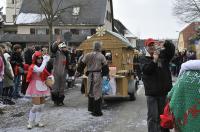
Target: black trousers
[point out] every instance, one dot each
(95, 106)
(57, 99)
(7, 92)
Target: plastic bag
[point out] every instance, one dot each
(167, 118)
(140, 90)
(113, 85)
(106, 86)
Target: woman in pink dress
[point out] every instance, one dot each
(37, 89)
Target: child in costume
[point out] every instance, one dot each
(37, 89)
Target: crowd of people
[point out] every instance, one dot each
(23, 73)
(179, 58)
(14, 65)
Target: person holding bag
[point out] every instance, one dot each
(37, 89)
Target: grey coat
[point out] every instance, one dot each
(59, 70)
(8, 73)
(94, 62)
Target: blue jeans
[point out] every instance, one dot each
(155, 107)
(1, 90)
(17, 86)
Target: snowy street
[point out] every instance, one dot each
(119, 115)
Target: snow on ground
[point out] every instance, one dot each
(71, 117)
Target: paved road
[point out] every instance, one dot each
(130, 116)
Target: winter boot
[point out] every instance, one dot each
(60, 100)
(90, 104)
(82, 88)
(30, 124)
(97, 108)
(55, 98)
(38, 120)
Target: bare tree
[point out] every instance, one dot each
(187, 10)
(52, 10)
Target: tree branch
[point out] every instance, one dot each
(195, 4)
(187, 10)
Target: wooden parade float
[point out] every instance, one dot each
(119, 54)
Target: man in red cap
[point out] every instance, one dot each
(157, 80)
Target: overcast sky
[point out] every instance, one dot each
(147, 18)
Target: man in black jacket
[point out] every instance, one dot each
(157, 80)
(16, 61)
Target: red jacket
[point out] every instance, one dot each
(43, 74)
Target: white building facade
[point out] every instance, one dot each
(12, 10)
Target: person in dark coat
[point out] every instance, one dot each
(60, 67)
(157, 80)
(28, 61)
(28, 55)
(17, 65)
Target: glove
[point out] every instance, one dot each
(46, 58)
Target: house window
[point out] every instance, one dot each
(32, 31)
(14, 17)
(41, 31)
(85, 32)
(76, 11)
(74, 31)
(93, 31)
(13, 1)
(108, 16)
(57, 31)
(197, 28)
(65, 30)
(4, 17)
(47, 31)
